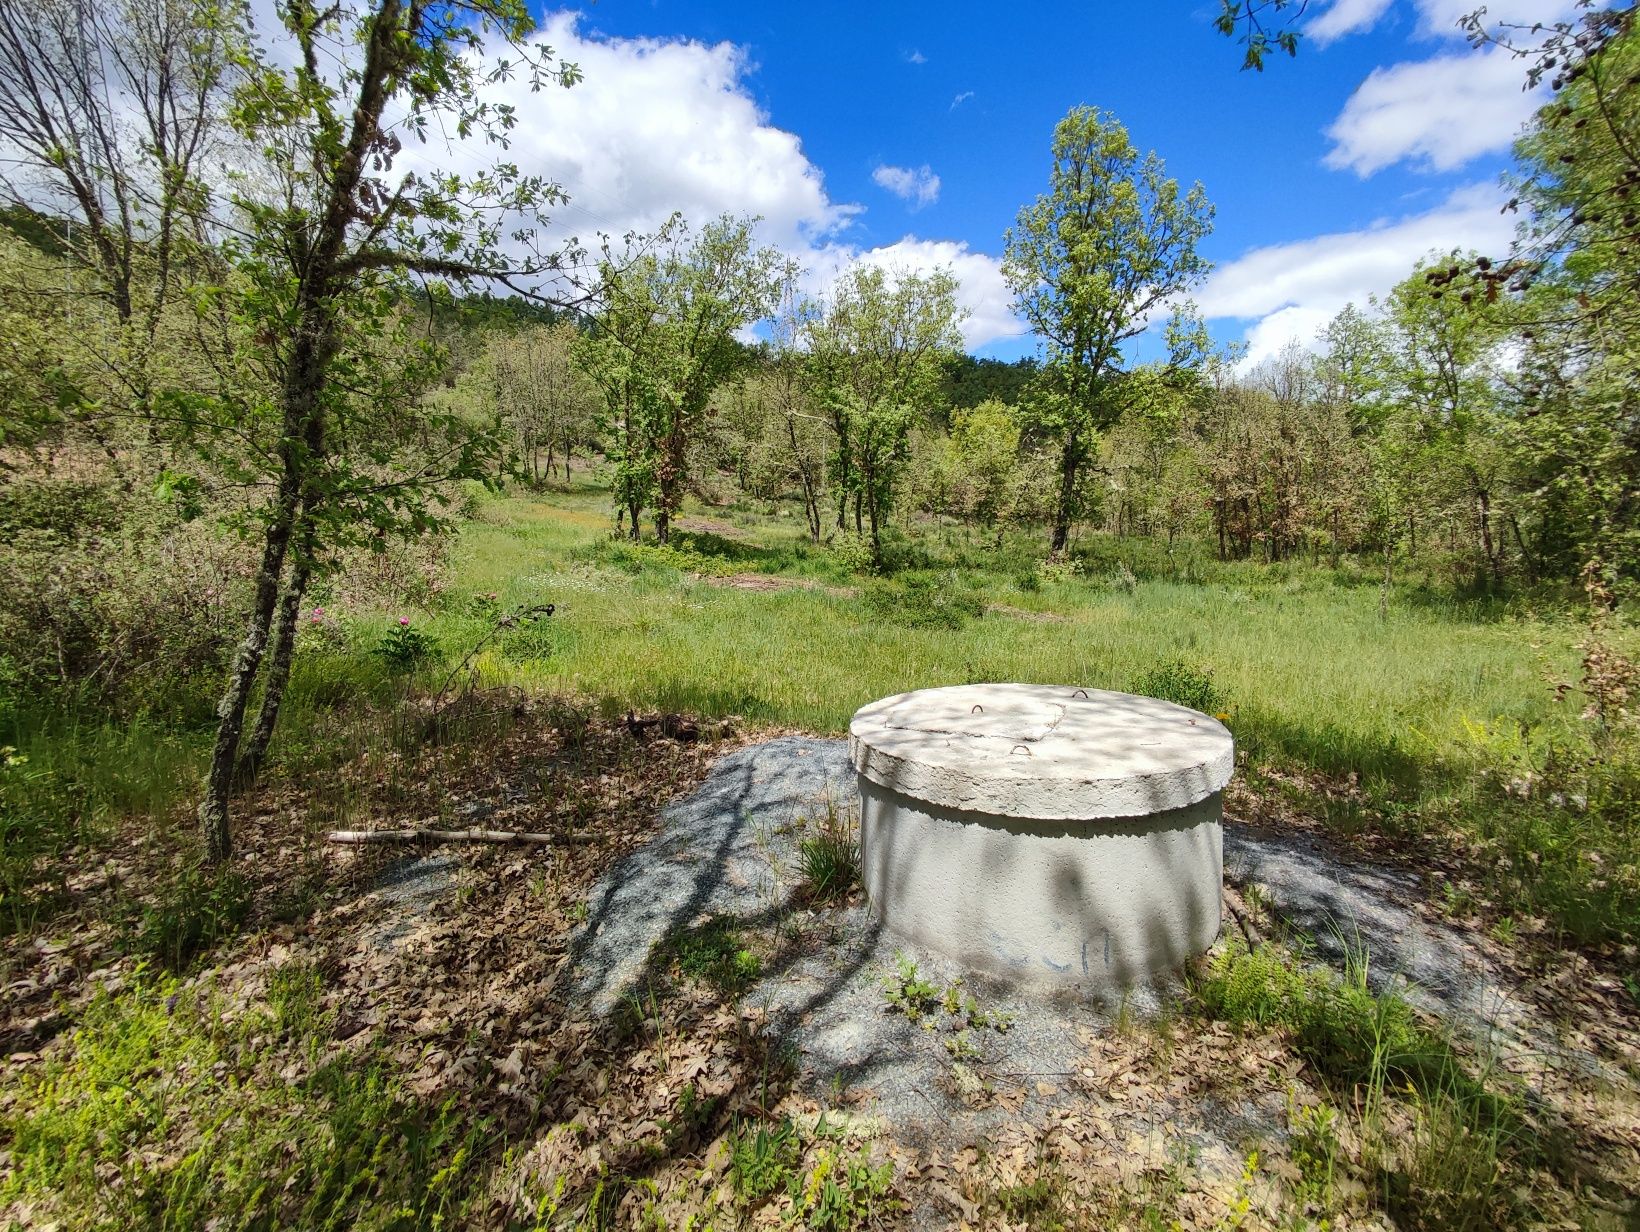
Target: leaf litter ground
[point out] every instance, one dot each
(542, 992)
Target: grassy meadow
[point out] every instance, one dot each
(1312, 666)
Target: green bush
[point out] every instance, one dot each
(404, 647)
(852, 551)
(1183, 684)
(142, 615)
(922, 601)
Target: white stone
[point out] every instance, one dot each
(1044, 834)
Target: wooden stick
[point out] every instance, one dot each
(423, 835)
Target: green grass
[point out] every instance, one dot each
(170, 1113)
(1316, 674)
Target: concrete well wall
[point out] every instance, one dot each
(1090, 905)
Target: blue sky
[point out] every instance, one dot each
(911, 135)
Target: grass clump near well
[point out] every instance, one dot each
(824, 1188)
(829, 858)
(1439, 1143)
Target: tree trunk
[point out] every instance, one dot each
(284, 645)
(1483, 504)
(1525, 555)
(1069, 461)
(230, 711)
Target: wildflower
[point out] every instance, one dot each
(404, 621)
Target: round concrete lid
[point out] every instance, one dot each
(1048, 752)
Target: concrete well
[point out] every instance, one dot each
(1043, 834)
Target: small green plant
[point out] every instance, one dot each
(909, 993)
(829, 858)
(200, 908)
(1313, 1143)
(714, 952)
(1184, 684)
(842, 1192)
(763, 1161)
(404, 646)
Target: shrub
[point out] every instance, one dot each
(141, 614)
(1183, 684)
(922, 601)
(404, 646)
(853, 552)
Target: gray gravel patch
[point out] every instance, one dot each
(729, 847)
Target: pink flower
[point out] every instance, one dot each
(318, 612)
(403, 621)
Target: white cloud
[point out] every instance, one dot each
(981, 289)
(658, 125)
(1343, 17)
(915, 57)
(1437, 18)
(960, 99)
(918, 186)
(1441, 17)
(1289, 291)
(1439, 113)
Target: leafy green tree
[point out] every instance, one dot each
(1576, 409)
(318, 408)
(667, 333)
(1111, 241)
(1441, 379)
(985, 442)
(877, 351)
(540, 392)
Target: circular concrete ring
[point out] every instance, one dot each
(1043, 834)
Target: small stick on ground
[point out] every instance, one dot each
(423, 835)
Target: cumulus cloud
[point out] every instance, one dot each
(664, 125)
(658, 125)
(1438, 18)
(917, 186)
(1438, 113)
(1343, 17)
(1441, 17)
(1289, 291)
(981, 290)
(915, 57)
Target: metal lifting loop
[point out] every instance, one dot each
(978, 709)
(1016, 749)
(1083, 692)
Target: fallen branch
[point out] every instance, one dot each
(424, 835)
